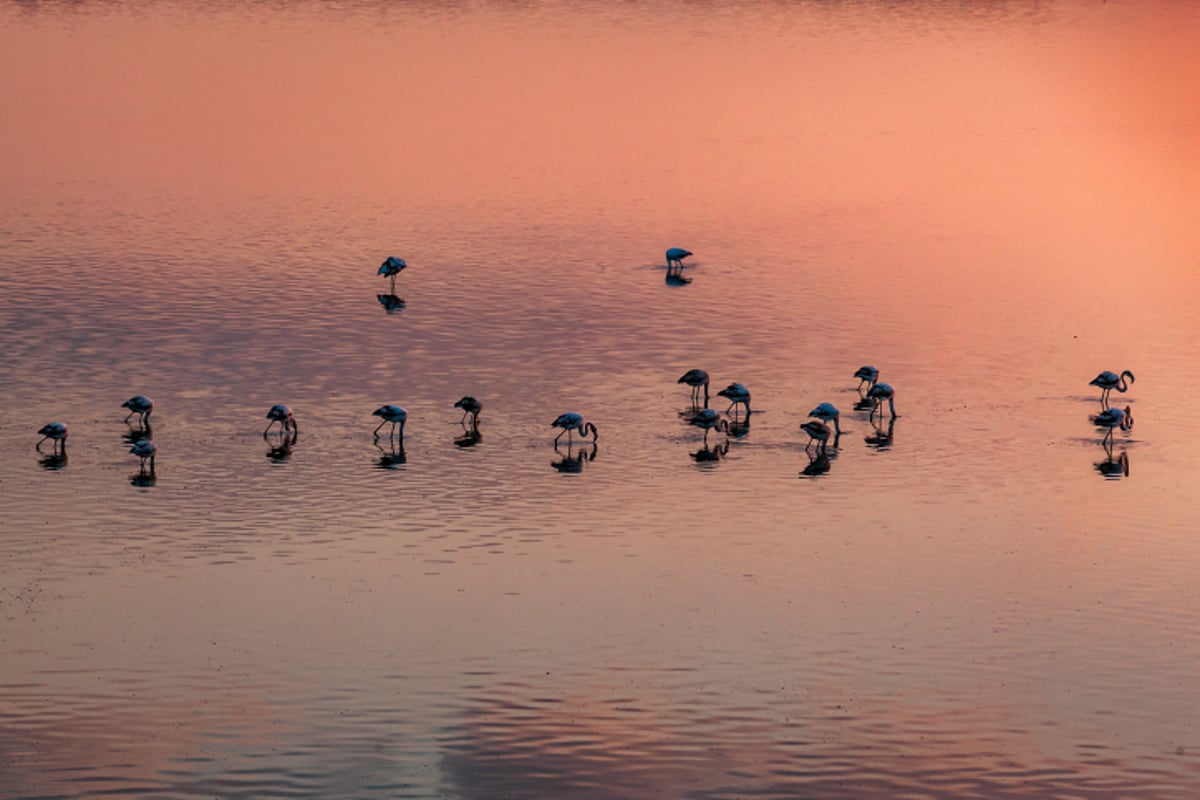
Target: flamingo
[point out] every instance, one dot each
(391, 267)
(143, 449)
(140, 405)
(1113, 418)
(827, 412)
(470, 406)
(696, 378)
(675, 257)
(282, 414)
(571, 421)
(393, 414)
(736, 393)
(880, 392)
(817, 432)
(709, 419)
(56, 431)
(868, 375)
(1108, 381)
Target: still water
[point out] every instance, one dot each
(991, 202)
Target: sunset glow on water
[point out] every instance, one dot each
(982, 598)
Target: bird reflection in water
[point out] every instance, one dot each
(708, 457)
(134, 435)
(571, 462)
(470, 436)
(819, 462)
(675, 257)
(677, 278)
(1112, 468)
(55, 461)
(391, 457)
(281, 444)
(880, 437)
(390, 302)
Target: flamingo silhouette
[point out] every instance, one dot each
(570, 422)
(390, 268)
(56, 432)
(697, 379)
(283, 415)
(880, 392)
(140, 405)
(393, 414)
(1107, 381)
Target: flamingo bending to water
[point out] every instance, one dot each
(282, 414)
(140, 405)
(697, 379)
(56, 432)
(570, 422)
(880, 392)
(736, 393)
(470, 406)
(393, 414)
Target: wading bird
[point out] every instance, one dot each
(709, 419)
(867, 375)
(390, 268)
(1112, 419)
(675, 257)
(736, 393)
(880, 392)
(55, 431)
(828, 412)
(284, 416)
(140, 405)
(697, 379)
(1108, 381)
(817, 432)
(144, 449)
(570, 422)
(393, 414)
(470, 406)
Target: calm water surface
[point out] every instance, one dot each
(991, 202)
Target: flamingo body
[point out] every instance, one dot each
(570, 422)
(880, 392)
(675, 257)
(282, 414)
(145, 449)
(393, 414)
(1114, 418)
(866, 375)
(390, 268)
(736, 393)
(697, 379)
(1107, 381)
(817, 432)
(827, 412)
(470, 406)
(709, 419)
(140, 405)
(54, 431)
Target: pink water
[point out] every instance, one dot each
(990, 202)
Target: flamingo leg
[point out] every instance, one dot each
(377, 427)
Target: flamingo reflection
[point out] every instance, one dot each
(393, 457)
(571, 462)
(470, 437)
(710, 456)
(390, 302)
(1112, 468)
(880, 439)
(280, 444)
(1107, 381)
(819, 463)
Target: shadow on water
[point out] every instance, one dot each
(708, 457)
(55, 461)
(391, 457)
(280, 444)
(470, 436)
(390, 302)
(571, 462)
(1113, 468)
(145, 477)
(819, 463)
(880, 438)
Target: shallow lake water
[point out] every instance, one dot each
(991, 202)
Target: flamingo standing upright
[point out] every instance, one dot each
(391, 267)
(140, 405)
(56, 432)
(570, 422)
(283, 415)
(697, 379)
(393, 414)
(1107, 381)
